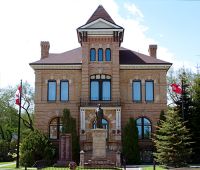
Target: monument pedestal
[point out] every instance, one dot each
(65, 149)
(99, 143)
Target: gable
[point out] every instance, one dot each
(100, 24)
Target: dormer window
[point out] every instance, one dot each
(92, 54)
(100, 54)
(108, 54)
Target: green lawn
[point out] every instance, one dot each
(151, 168)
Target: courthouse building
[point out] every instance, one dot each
(126, 83)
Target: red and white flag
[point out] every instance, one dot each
(17, 95)
(176, 88)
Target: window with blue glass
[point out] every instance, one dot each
(149, 90)
(136, 91)
(100, 87)
(64, 90)
(144, 128)
(92, 54)
(100, 54)
(94, 85)
(108, 54)
(51, 90)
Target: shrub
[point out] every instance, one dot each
(7, 150)
(34, 147)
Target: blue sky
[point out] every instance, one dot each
(174, 24)
(171, 24)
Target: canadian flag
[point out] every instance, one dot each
(176, 88)
(17, 95)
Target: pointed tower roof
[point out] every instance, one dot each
(100, 12)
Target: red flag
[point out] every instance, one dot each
(176, 88)
(17, 95)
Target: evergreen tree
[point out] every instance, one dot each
(161, 118)
(69, 126)
(172, 142)
(130, 147)
(194, 121)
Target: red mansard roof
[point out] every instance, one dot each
(74, 57)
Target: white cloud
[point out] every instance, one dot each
(24, 23)
(135, 11)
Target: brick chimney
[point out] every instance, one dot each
(153, 50)
(45, 45)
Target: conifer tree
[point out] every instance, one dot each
(172, 142)
(69, 126)
(130, 147)
(194, 121)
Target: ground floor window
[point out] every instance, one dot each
(144, 128)
(55, 128)
(146, 156)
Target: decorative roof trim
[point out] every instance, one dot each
(145, 67)
(100, 29)
(55, 67)
(98, 20)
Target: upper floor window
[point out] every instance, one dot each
(136, 90)
(51, 90)
(100, 54)
(144, 128)
(149, 90)
(55, 128)
(100, 87)
(64, 90)
(92, 54)
(108, 54)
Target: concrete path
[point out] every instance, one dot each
(12, 163)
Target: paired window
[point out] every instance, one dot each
(100, 87)
(64, 90)
(144, 128)
(137, 90)
(52, 88)
(55, 128)
(100, 54)
(149, 90)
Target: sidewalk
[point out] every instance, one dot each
(7, 164)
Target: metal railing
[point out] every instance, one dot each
(85, 102)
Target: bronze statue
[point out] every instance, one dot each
(99, 116)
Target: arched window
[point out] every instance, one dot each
(55, 128)
(108, 54)
(144, 128)
(92, 54)
(100, 54)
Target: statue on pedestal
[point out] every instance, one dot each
(99, 116)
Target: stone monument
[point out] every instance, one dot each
(99, 136)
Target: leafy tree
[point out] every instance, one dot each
(130, 147)
(69, 126)
(172, 142)
(35, 146)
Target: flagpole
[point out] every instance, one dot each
(182, 104)
(18, 140)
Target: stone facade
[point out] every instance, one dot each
(77, 68)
